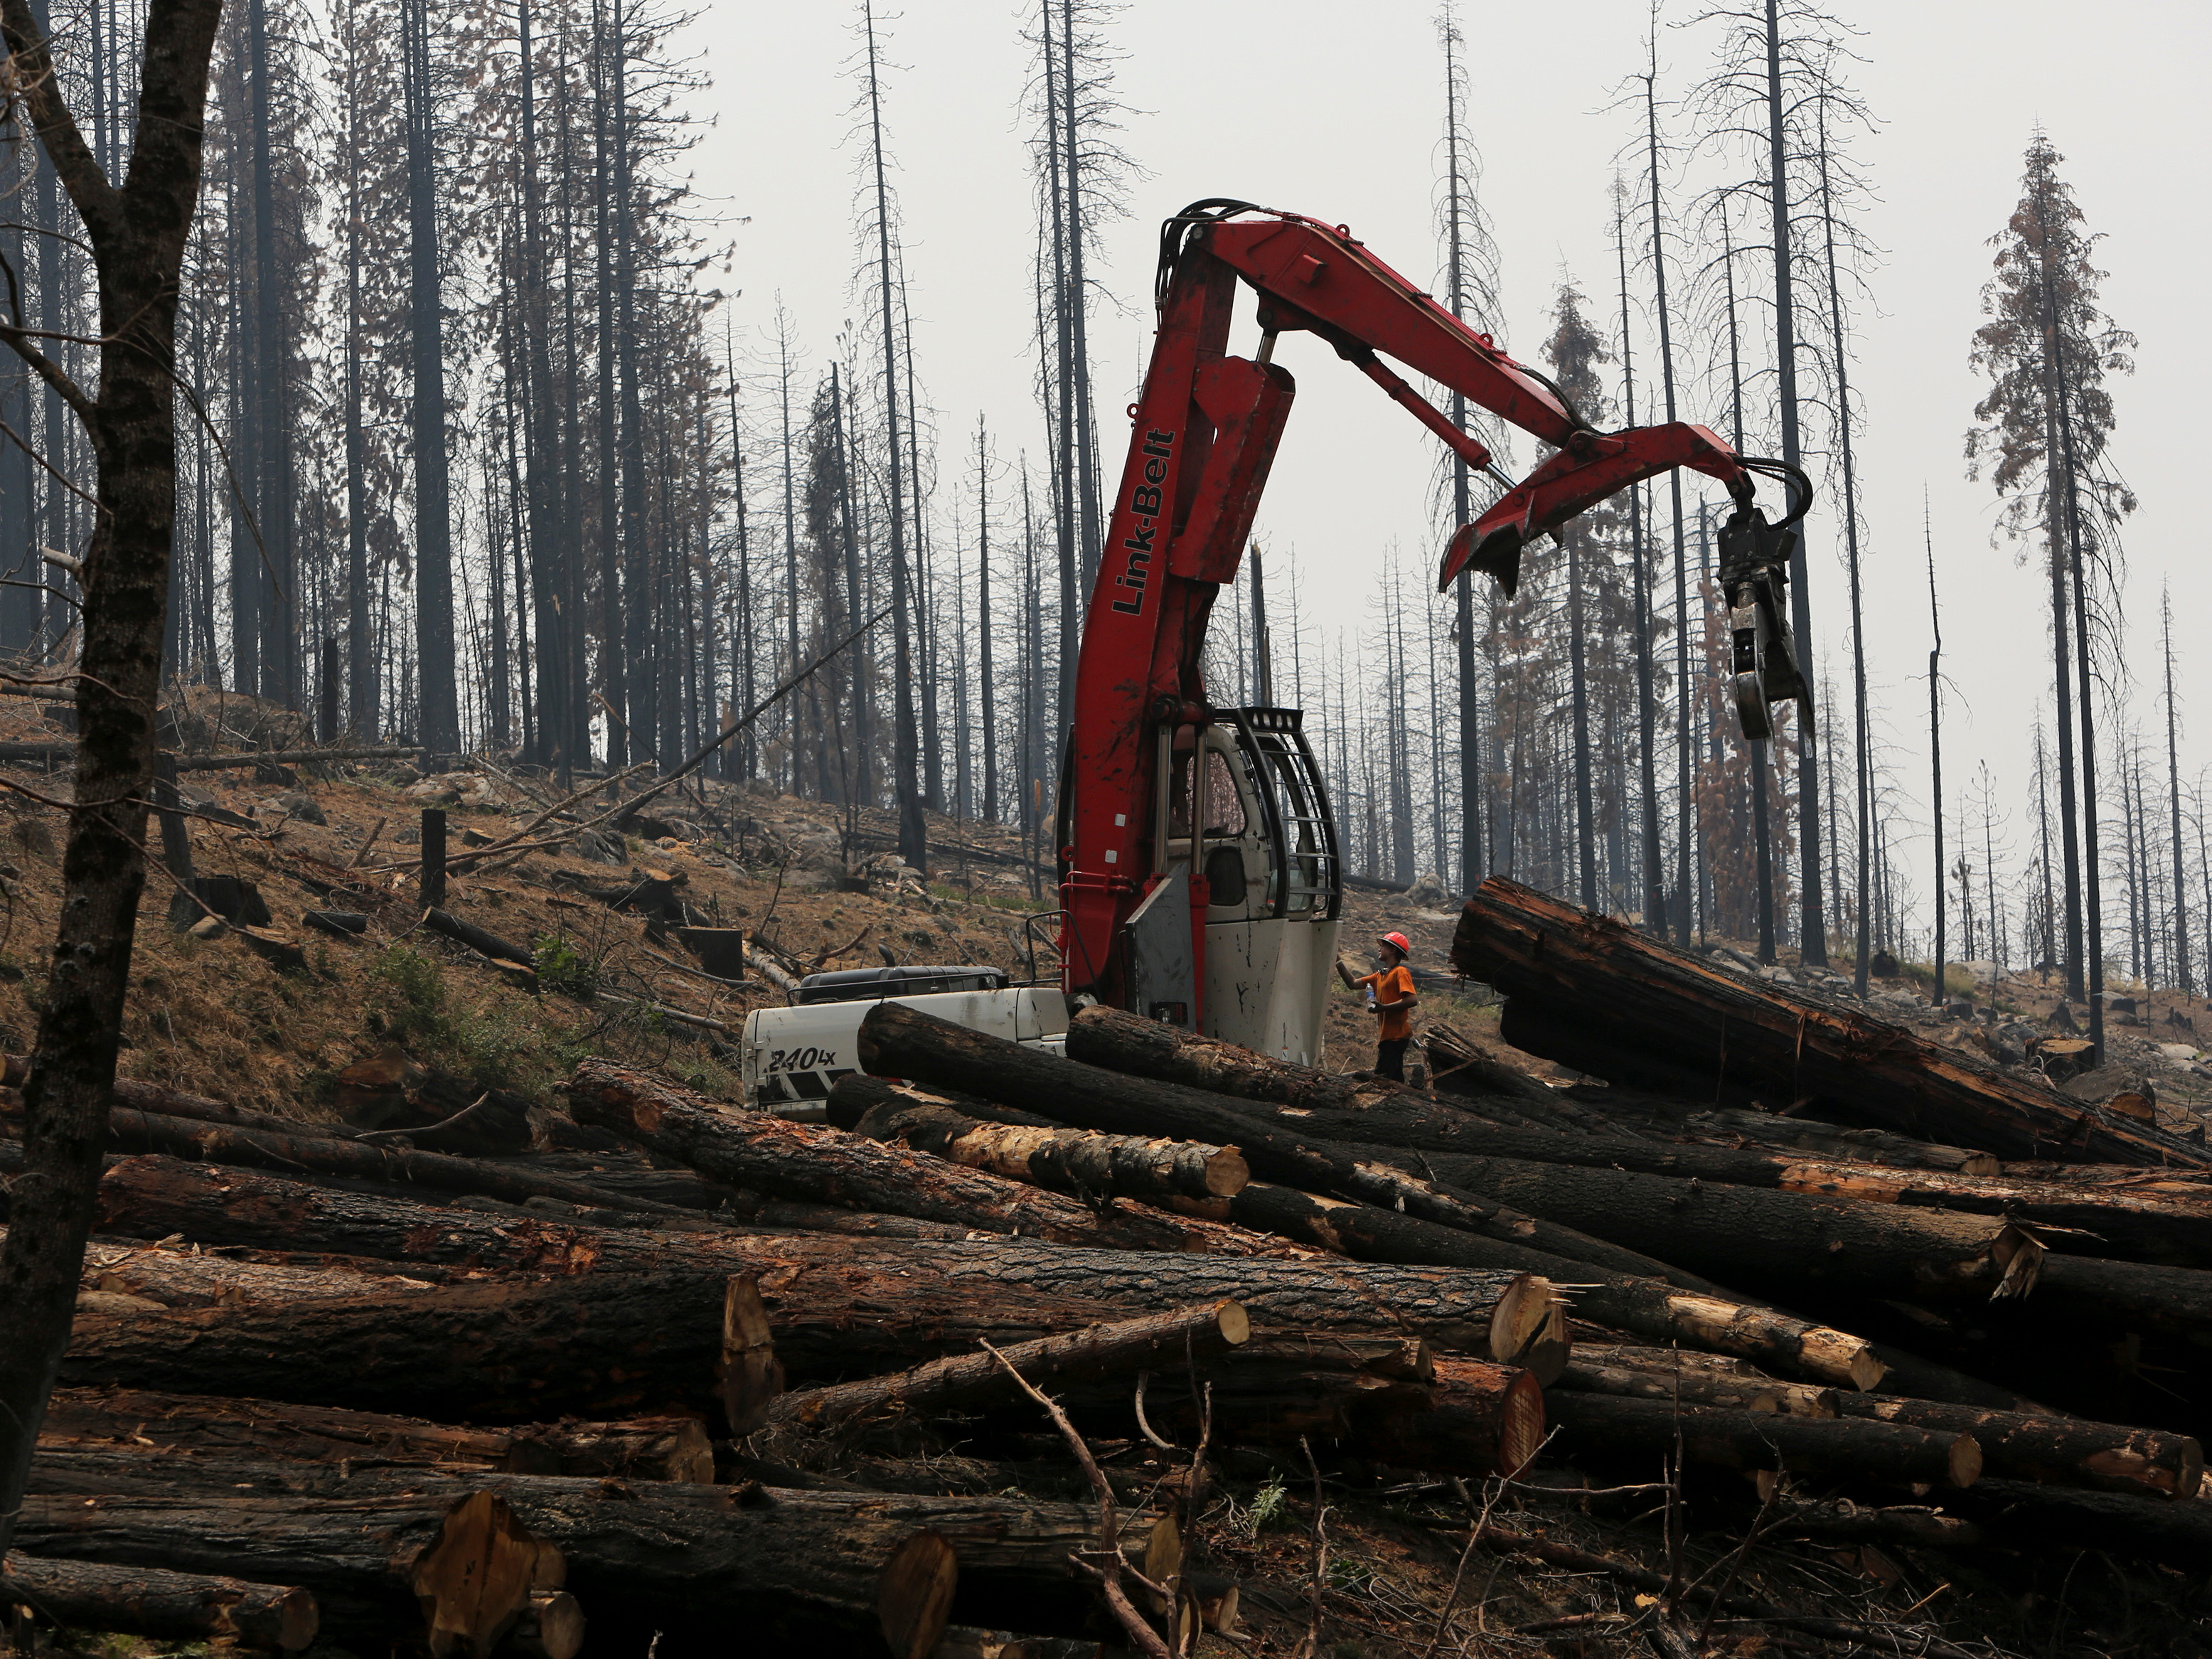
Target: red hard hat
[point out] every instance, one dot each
(1404, 946)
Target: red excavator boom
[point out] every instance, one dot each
(1205, 433)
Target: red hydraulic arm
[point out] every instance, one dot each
(1205, 432)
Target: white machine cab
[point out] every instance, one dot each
(793, 1055)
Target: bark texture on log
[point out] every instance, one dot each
(788, 1567)
(1771, 1131)
(1120, 1040)
(2031, 1517)
(132, 1132)
(627, 1172)
(1368, 1232)
(1275, 1388)
(849, 1307)
(2129, 1294)
(1771, 1238)
(1844, 1447)
(856, 1094)
(1080, 1161)
(2172, 1227)
(820, 1164)
(2062, 1451)
(1151, 1341)
(1627, 990)
(154, 1602)
(1691, 1387)
(901, 1042)
(1487, 1419)
(598, 1346)
(646, 1449)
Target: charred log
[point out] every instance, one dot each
(1607, 984)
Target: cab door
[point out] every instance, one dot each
(1268, 848)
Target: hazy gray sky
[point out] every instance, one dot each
(1334, 111)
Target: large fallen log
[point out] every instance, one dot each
(1659, 1312)
(2062, 1451)
(1486, 1419)
(822, 1164)
(2173, 1225)
(1183, 1335)
(1767, 1130)
(797, 1571)
(849, 1307)
(1774, 1240)
(595, 1346)
(2034, 1518)
(2096, 1294)
(1129, 1043)
(897, 1041)
(153, 1602)
(1601, 982)
(132, 1132)
(1588, 1375)
(1650, 1430)
(650, 1448)
(1080, 1161)
(1388, 1399)
(1406, 1129)
(626, 1171)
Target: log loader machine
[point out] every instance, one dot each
(1200, 875)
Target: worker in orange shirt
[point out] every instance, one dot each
(1390, 993)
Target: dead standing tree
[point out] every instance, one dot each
(136, 233)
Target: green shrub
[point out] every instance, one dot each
(564, 968)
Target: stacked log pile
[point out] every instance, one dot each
(477, 1395)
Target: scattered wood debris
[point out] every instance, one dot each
(1161, 1347)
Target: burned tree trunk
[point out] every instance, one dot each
(153, 1602)
(1065, 1160)
(131, 1132)
(644, 1448)
(138, 234)
(1122, 1041)
(1487, 1419)
(822, 1164)
(1609, 986)
(2173, 1228)
(596, 1345)
(2062, 1451)
(901, 1042)
(1646, 1430)
(1151, 1341)
(846, 1306)
(1695, 1387)
(1771, 1238)
(799, 1569)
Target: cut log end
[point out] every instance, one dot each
(1837, 1356)
(1234, 1324)
(1966, 1460)
(1529, 1328)
(553, 1628)
(913, 1594)
(1227, 1174)
(297, 1619)
(752, 1376)
(475, 1581)
(1521, 1436)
